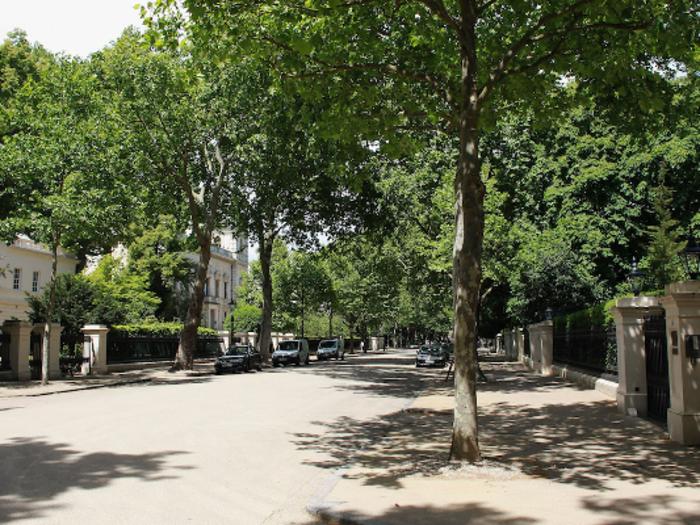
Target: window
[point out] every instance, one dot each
(216, 288)
(35, 282)
(225, 290)
(17, 279)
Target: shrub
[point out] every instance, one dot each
(157, 330)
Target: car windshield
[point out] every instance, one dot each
(328, 344)
(433, 350)
(288, 345)
(237, 350)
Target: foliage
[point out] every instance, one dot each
(158, 254)
(156, 330)
(662, 261)
(20, 62)
(599, 315)
(126, 292)
(246, 318)
(75, 304)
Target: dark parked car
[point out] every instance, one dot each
(238, 357)
(330, 348)
(431, 355)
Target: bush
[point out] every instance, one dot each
(157, 330)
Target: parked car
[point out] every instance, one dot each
(292, 351)
(238, 357)
(330, 348)
(431, 355)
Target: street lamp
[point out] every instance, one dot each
(636, 278)
(548, 314)
(691, 258)
(231, 331)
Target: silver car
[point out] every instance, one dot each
(330, 348)
(293, 351)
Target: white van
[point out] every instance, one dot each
(291, 351)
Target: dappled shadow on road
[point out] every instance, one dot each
(549, 427)
(451, 515)
(35, 472)
(396, 445)
(590, 445)
(385, 375)
(661, 508)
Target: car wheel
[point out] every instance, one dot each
(258, 367)
(307, 359)
(298, 360)
(245, 367)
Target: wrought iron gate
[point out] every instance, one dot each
(658, 384)
(35, 355)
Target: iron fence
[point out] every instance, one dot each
(144, 349)
(5, 352)
(593, 349)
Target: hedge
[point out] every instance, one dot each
(157, 330)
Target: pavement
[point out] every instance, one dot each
(553, 453)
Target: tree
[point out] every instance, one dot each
(665, 244)
(57, 169)
(159, 255)
(191, 125)
(460, 64)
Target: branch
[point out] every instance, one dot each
(531, 36)
(329, 69)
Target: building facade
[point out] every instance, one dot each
(27, 268)
(228, 263)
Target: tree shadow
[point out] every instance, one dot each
(451, 515)
(547, 426)
(34, 472)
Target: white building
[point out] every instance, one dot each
(27, 269)
(229, 260)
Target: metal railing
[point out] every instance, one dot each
(593, 349)
(146, 349)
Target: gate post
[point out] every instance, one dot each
(20, 333)
(95, 350)
(542, 347)
(682, 304)
(629, 315)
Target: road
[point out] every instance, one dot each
(243, 449)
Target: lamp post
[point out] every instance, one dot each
(231, 331)
(636, 278)
(691, 258)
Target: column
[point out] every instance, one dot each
(95, 350)
(542, 347)
(20, 333)
(682, 305)
(629, 315)
(55, 351)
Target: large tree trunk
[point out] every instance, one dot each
(266, 323)
(184, 360)
(466, 279)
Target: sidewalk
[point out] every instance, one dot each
(157, 374)
(554, 453)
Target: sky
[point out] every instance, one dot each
(74, 27)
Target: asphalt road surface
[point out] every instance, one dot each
(243, 449)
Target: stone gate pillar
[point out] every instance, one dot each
(542, 347)
(95, 350)
(682, 305)
(20, 337)
(629, 315)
